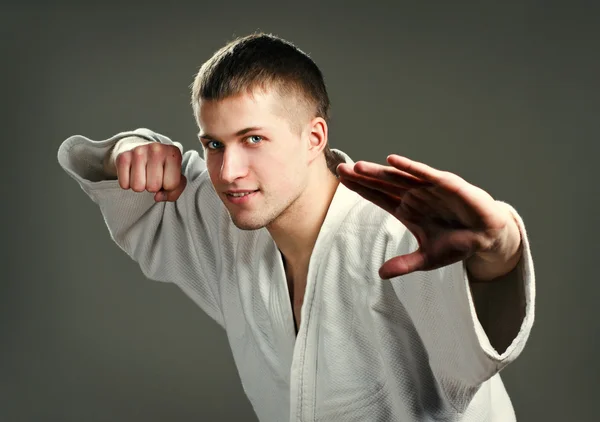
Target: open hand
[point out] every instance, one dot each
(451, 219)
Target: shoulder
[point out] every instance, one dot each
(373, 229)
(360, 217)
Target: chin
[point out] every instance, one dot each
(248, 222)
(247, 225)
(255, 219)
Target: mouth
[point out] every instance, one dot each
(240, 197)
(240, 193)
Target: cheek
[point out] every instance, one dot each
(213, 167)
(287, 176)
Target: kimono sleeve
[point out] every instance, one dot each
(172, 242)
(441, 304)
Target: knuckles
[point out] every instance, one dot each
(155, 148)
(123, 159)
(151, 154)
(136, 186)
(153, 187)
(171, 183)
(139, 151)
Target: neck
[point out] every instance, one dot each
(295, 232)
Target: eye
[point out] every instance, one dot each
(254, 139)
(213, 145)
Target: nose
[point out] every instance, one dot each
(233, 167)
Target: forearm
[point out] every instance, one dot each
(500, 305)
(501, 308)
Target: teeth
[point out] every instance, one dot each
(237, 195)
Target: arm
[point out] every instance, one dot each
(471, 331)
(498, 261)
(497, 285)
(462, 267)
(172, 241)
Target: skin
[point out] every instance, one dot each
(452, 219)
(251, 143)
(248, 143)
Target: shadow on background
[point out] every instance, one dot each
(505, 96)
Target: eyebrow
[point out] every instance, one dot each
(238, 133)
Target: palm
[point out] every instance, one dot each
(450, 218)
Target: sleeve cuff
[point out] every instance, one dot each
(82, 157)
(524, 272)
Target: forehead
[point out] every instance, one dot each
(256, 108)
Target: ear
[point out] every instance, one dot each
(317, 137)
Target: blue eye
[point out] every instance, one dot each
(255, 139)
(211, 145)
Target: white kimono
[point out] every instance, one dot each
(406, 349)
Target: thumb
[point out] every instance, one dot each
(172, 195)
(403, 264)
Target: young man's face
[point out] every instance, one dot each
(256, 158)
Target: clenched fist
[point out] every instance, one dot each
(142, 165)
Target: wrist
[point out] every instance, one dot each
(489, 265)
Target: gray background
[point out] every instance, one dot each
(504, 95)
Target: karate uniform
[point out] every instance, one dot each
(406, 349)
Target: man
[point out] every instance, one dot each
(398, 294)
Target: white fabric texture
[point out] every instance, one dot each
(407, 349)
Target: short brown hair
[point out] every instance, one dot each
(259, 61)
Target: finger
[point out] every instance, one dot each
(419, 205)
(421, 219)
(176, 193)
(419, 170)
(154, 168)
(388, 174)
(172, 171)
(440, 204)
(137, 178)
(412, 217)
(427, 195)
(160, 196)
(383, 200)
(123, 165)
(404, 264)
(375, 184)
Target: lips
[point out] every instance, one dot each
(239, 193)
(240, 197)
